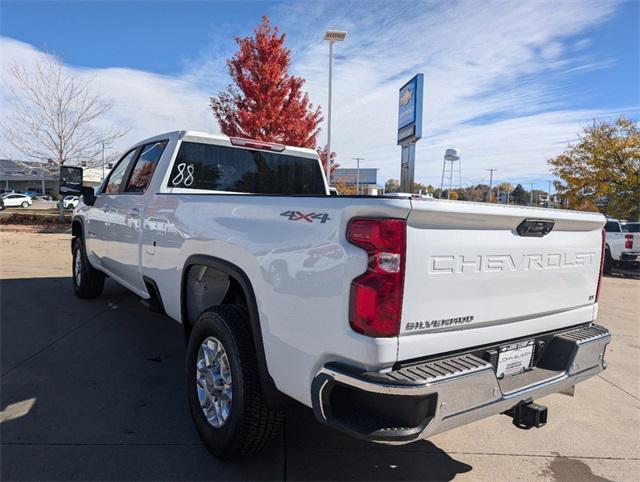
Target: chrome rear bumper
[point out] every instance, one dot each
(423, 399)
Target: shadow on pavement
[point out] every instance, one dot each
(94, 390)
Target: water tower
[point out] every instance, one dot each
(452, 156)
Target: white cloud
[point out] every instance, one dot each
(144, 103)
(497, 80)
(500, 80)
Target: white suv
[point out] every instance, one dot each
(70, 202)
(15, 199)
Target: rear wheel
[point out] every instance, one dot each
(608, 261)
(88, 282)
(223, 385)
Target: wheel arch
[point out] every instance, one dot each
(77, 230)
(274, 398)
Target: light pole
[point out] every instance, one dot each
(491, 183)
(331, 36)
(358, 159)
(531, 194)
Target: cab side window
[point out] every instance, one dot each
(145, 167)
(117, 175)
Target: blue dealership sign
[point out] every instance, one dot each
(410, 110)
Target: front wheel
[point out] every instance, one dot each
(223, 385)
(88, 282)
(25, 204)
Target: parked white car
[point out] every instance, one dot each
(16, 200)
(394, 319)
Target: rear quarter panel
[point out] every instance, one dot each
(300, 271)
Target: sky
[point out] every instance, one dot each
(508, 83)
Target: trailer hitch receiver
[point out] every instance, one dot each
(528, 414)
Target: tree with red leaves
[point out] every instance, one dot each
(323, 158)
(265, 102)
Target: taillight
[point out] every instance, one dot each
(375, 303)
(628, 241)
(601, 264)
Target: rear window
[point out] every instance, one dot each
(612, 227)
(631, 228)
(222, 168)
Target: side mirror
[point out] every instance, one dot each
(70, 180)
(88, 195)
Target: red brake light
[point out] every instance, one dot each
(601, 264)
(628, 241)
(375, 304)
(250, 143)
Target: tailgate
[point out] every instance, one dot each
(467, 266)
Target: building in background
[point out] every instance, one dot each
(37, 177)
(93, 176)
(368, 179)
(41, 177)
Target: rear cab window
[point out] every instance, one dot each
(612, 227)
(236, 170)
(631, 228)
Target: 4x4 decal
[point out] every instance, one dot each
(298, 216)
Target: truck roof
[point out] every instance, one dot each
(222, 140)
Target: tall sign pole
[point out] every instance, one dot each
(409, 128)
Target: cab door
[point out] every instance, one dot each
(98, 232)
(126, 216)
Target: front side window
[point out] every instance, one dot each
(222, 168)
(117, 175)
(145, 166)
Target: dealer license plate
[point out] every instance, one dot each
(514, 358)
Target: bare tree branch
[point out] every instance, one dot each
(53, 116)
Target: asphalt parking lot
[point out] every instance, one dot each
(93, 390)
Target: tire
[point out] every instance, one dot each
(250, 424)
(25, 204)
(88, 282)
(608, 262)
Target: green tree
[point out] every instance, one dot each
(520, 196)
(392, 185)
(419, 187)
(602, 170)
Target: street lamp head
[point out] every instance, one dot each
(335, 35)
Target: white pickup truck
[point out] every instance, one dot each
(394, 319)
(622, 246)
